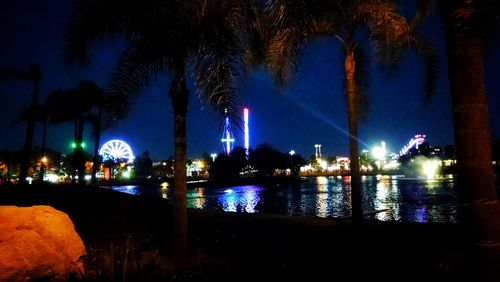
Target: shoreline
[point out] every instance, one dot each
(247, 247)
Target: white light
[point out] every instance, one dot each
(87, 177)
(379, 152)
(52, 178)
(322, 163)
(116, 149)
(247, 134)
(213, 155)
(430, 168)
(292, 152)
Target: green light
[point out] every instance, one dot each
(74, 145)
(126, 174)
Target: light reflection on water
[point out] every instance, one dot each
(386, 198)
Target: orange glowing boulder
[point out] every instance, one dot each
(38, 242)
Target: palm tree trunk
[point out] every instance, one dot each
(44, 140)
(180, 97)
(28, 138)
(476, 185)
(95, 160)
(78, 158)
(352, 116)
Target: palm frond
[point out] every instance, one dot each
(39, 114)
(431, 69)
(131, 75)
(219, 62)
(5, 73)
(257, 36)
(422, 10)
(296, 23)
(61, 105)
(389, 31)
(32, 74)
(96, 20)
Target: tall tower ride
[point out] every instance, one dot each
(247, 134)
(227, 136)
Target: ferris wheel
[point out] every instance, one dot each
(116, 150)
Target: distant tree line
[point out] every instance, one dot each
(264, 161)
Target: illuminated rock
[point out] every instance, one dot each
(38, 242)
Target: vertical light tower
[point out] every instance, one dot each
(247, 134)
(227, 137)
(318, 150)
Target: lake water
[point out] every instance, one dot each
(387, 198)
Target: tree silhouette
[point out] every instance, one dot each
(388, 33)
(73, 105)
(168, 38)
(33, 74)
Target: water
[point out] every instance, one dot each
(386, 198)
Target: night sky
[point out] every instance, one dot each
(308, 111)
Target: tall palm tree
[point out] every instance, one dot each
(467, 25)
(173, 38)
(95, 120)
(39, 114)
(33, 74)
(73, 105)
(388, 32)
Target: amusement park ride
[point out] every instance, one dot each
(228, 136)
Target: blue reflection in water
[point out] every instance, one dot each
(240, 198)
(129, 189)
(386, 198)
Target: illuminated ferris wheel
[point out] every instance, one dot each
(116, 150)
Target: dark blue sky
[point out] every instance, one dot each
(309, 110)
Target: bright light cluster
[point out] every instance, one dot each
(116, 150)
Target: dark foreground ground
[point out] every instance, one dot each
(126, 237)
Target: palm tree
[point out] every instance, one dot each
(167, 37)
(72, 105)
(33, 74)
(467, 23)
(388, 32)
(39, 114)
(95, 120)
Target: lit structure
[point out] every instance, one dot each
(116, 150)
(318, 150)
(247, 134)
(414, 142)
(379, 152)
(213, 155)
(227, 137)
